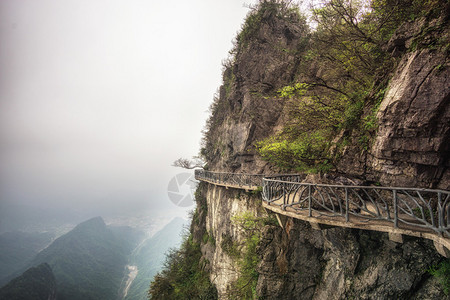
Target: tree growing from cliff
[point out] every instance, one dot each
(195, 162)
(340, 82)
(263, 17)
(184, 274)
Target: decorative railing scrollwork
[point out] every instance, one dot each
(413, 209)
(230, 179)
(416, 208)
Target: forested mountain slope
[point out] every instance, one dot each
(89, 261)
(149, 257)
(37, 283)
(17, 249)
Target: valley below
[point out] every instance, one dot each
(94, 259)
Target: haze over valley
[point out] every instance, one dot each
(97, 99)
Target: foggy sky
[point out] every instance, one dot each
(99, 97)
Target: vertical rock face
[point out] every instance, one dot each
(300, 262)
(222, 206)
(412, 143)
(288, 271)
(265, 63)
(338, 263)
(411, 148)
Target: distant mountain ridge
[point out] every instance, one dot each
(37, 283)
(150, 256)
(88, 262)
(17, 249)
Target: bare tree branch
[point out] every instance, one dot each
(185, 163)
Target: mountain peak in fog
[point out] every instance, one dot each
(96, 222)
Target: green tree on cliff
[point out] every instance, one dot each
(341, 81)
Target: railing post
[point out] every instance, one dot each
(346, 205)
(400, 197)
(394, 193)
(446, 212)
(309, 201)
(263, 192)
(440, 214)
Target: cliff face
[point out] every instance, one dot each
(299, 262)
(338, 263)
(413, 149)
(242, 114)
(409, 148)
(224, 267)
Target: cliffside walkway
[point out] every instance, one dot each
(396, 210)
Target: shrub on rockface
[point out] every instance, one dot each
(303, 152)
(246, 254)
(263, 11)
(184, 274)
(336, 92)
(266, 45)
(442, 273)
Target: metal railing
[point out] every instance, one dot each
(416, 208)
(411, 208)
(230, 179)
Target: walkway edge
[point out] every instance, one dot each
(443, 241)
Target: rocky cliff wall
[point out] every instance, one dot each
(242, 112)
(410, 148)
(222, 205)
(299, 262)
(338, 263)
(412, 145)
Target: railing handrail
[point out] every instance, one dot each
(360, 186)
(273, 177)
(417, 209)
(249, 174)
(228, 173)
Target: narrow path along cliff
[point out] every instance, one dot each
(410, 211)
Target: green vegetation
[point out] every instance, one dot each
(150, 257)
(394, 12)
(305, 152)
(183, 276)
(341, 81)
(230, 247)
(88, 262)
(208, 239)
(37, 283)
(18, 248)
(264, 10)
(246, 253)
(257, 192)
(442, 273)
(228, 80)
